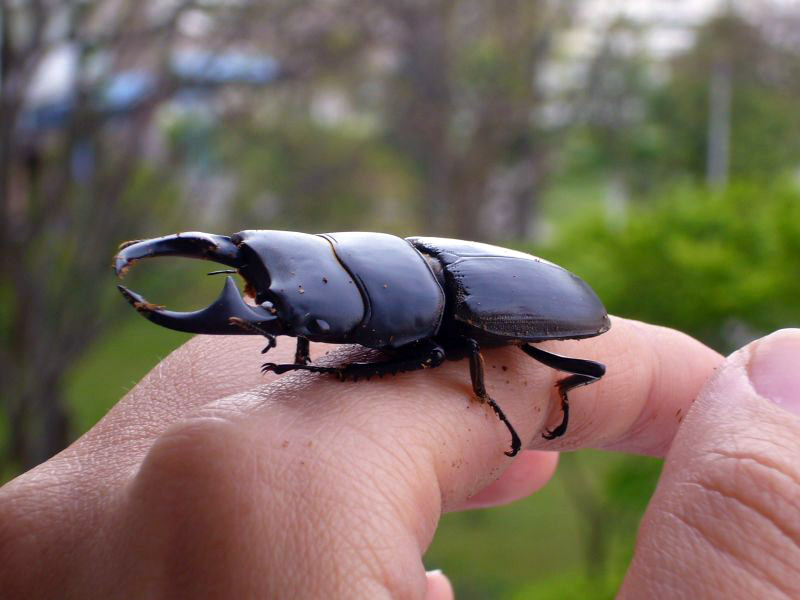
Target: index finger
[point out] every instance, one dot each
(653, 375)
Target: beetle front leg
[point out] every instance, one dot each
(301, 354)
(479, 387)
(271, 341)
(583, 372)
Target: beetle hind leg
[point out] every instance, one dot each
(479, 387)
(281, 369)
(583, 372)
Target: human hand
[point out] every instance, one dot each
(209, 480)
(725, 519)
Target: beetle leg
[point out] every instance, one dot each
(281, 369)
(583, 372)
(424, 357)
(301, 356)
(252, 327)
(479, 387)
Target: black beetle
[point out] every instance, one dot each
(421, 299)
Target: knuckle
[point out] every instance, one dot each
(191, 501)
(198, 456)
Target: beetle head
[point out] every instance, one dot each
(299, 277)
(228, 314)
(299, 285)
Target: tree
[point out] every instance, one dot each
(611, 109)
(454, 89)
(81, 86)
(465, 104)
(723, 109)
(729, 110)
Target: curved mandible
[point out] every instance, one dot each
(228, 314)
(190, 244)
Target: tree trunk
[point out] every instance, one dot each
(39, 424)
(719, 124)
(529, 184)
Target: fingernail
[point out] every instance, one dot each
(434, 572)
(774, 369)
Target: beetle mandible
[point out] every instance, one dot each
(421, 299)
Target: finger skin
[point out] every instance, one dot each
(531, 470)
(205, 480)
(725, 519)
(652, 376)
(439, 587)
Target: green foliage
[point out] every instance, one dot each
(648, 131)
(539, 548)
(765, 128)
(765, 136)
(568, 584)
(629, 484)
(709, 263)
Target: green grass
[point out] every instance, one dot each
(537, 546)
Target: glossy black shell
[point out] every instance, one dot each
(376, 290)
(403, 300)
(499, 296)
(371, 289)
(382, 291)
(430, 298)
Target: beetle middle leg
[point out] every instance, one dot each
(583, 372)
(479, 387)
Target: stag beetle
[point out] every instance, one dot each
(421, 299)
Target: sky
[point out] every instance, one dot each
(670, 21)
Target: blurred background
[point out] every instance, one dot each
(651, 147)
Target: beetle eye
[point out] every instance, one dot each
(268, 306)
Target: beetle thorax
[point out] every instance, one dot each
(298, 277)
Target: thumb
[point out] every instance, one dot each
(725, 519)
